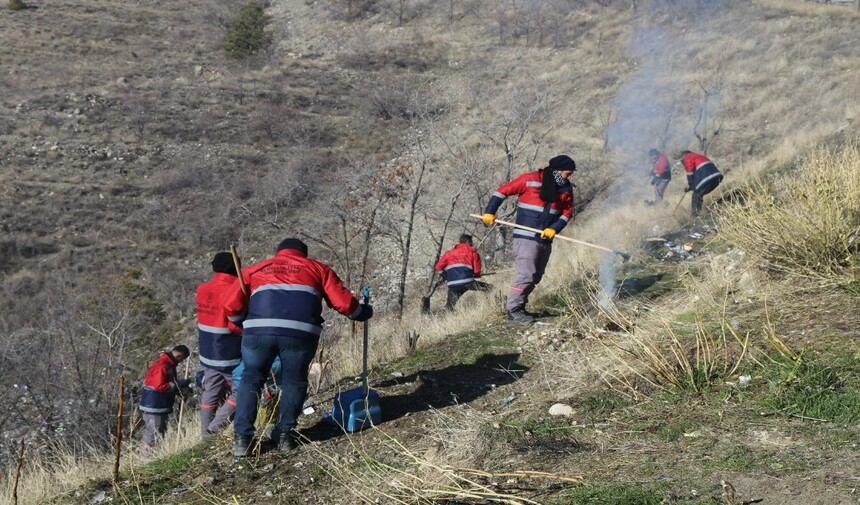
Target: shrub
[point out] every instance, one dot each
(807, 225)
(16, 5)
(247, 33)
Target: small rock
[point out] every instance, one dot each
(99, 498)
(560, 409)
(269, 493)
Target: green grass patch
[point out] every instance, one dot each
(815, 387)
(160, 477)
(626, 494)
(597, 408)
(538, 429)
(466, 348)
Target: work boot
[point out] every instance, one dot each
(242, 446)
(520, 316)
(287, 442)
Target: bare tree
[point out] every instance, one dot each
(709, 123)
(525, 115)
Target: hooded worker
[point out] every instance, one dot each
(545, 202)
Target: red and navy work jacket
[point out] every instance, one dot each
(660, 171)
(460, 265)
(220, 338)
(287, 292)
(702, 174)
(532, 211)
(159, 387)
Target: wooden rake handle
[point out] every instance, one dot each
(238, 264)
(575, 241)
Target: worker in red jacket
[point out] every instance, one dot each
(159, 393)
(220, 344)
(660, 174)
(544, 202)
(284, 318)
(702, 177)
(460, 267)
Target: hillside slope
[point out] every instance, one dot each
(133, 142)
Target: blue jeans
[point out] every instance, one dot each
(258, 353)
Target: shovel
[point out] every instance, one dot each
(624, 256)
(358, 408)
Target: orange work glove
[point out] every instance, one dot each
(489, 219)
(548, 234)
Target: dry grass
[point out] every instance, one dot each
(805, 226)
(66, 470)
(405, 477)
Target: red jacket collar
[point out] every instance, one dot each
(290, 253)
(225, 278)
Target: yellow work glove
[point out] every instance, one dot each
(548, 234)
(489, 219)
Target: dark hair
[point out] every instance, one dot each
(465, 238)
(654, 152)
(181, 349)
(685, 152)
(293, 243)
(222, 262)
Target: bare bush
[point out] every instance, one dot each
(807, 226)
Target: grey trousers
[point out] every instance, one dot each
(529, 266)
(215, 412)
(659, 189)
(155, 426)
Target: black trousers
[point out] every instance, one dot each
(699, 194)
(455, 292)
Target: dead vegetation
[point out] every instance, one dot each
(138, 143)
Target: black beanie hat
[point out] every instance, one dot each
(223, 263)
(562, 162)
(293, 243)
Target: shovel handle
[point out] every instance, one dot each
(575, 241)
(365, 293)
(238, 264)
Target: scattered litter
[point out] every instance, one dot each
(507, 401)
(269, 493)
(693, 434)
(308, 411)
(99, 498)
(744, 380)
(688, 246)
(397, 375)
(696, 235)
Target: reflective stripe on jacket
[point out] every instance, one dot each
(220, 340)
(460, 265)
(701, 172)
(159, 388)
(532, 211)
(287, 292)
